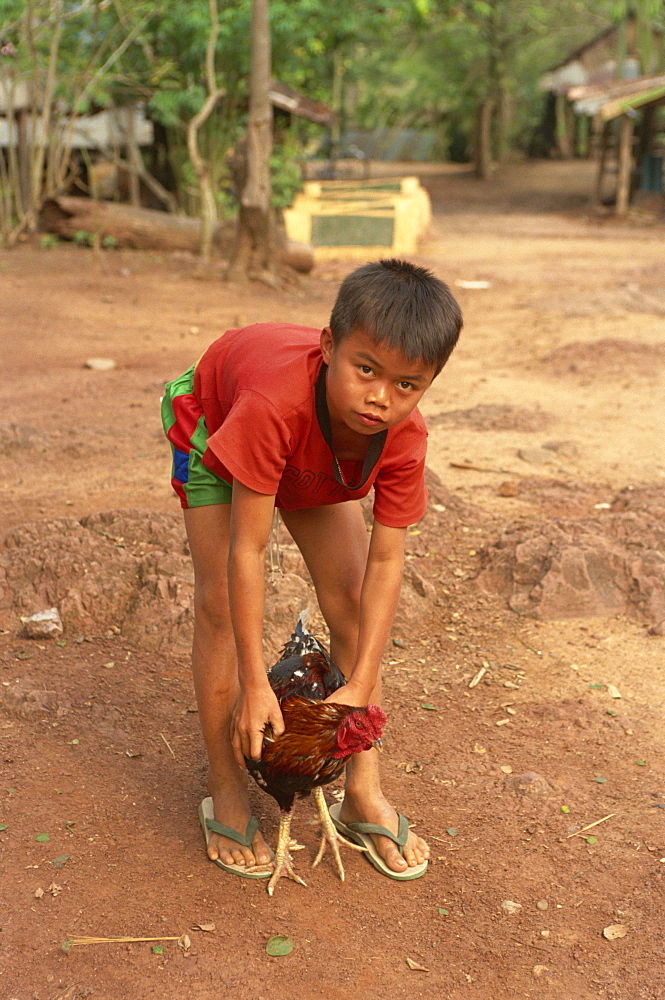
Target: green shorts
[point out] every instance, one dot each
(184, 425)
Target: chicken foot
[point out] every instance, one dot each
(329, 835)
(282, 863)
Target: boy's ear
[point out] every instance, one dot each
(326, 344)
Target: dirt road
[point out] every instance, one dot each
(524, 689)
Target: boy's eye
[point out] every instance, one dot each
(365, 369)
(406, 385)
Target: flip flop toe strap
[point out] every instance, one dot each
(381, 831)
(226, 831)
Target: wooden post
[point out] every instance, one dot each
(562, 127)
(625, 164)
(133, 155)
(602, 161)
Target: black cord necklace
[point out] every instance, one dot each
(376, 443)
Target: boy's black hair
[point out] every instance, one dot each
(402, 305)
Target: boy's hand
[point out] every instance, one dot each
(349, 694)
(254, 710)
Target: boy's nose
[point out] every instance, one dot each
(379, 395)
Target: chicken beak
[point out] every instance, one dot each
(378, 745)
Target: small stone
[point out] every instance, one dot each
(615, 931)
(101, 364)
(42, 625)
(542, 904)
(508, 489)
(510, 907)
(535, 456)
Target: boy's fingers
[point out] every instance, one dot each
(277, 723)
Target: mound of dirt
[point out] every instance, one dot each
(117, 570)
(609, 357)
(128, 572)
(595, 566)
(495, 417)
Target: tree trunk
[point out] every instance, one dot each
(202, 167)
(254, 250)
(483, 153)
(147, 229)
(137, 228)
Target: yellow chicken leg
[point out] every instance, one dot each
(282, 861)
(329, 834)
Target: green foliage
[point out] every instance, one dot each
(48, 241)
(285, 173)
(389, 63)
(83, 239)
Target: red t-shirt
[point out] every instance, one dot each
(256, 386)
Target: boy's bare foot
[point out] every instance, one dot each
(380, 812)
(231, 806)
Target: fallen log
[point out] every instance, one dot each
(147, 229)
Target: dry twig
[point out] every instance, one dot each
(118, 940)
(590, 826)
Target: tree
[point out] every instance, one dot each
(65, 57)
(201, 167)
(253, 254)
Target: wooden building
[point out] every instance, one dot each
(608, 96)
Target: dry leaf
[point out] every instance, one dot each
(184, 942)
(208, 928)
(39, 893)
(414, 965)
(613, 691)
(615, 931)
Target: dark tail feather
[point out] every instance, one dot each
(302, 641)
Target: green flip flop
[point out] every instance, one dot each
(359, 833)
(210, 825)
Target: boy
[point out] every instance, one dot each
(308, 421)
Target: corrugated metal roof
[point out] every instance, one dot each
(617, 98)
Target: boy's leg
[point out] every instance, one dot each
(215, 673)
(333, 541)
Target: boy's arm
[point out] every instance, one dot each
(378, 600)
(251, 519)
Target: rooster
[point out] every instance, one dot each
(317, 741)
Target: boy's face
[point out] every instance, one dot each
(370, 386)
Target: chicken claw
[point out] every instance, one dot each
(282, 864)
(329, 835)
